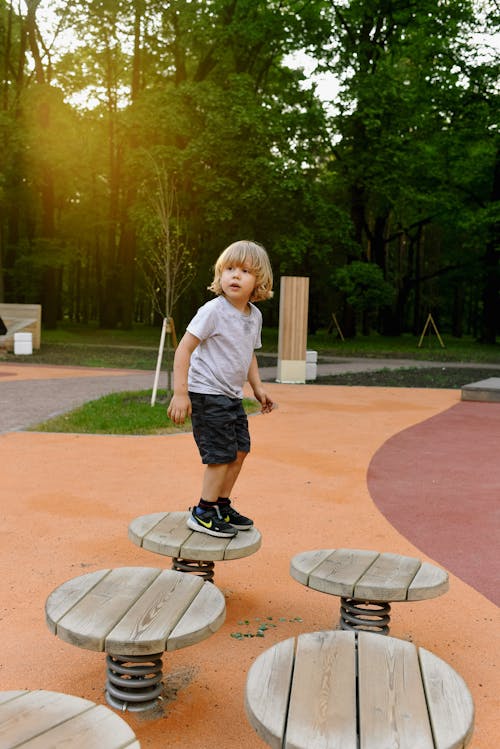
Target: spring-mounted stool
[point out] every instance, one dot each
(168, 534)
(134, 615)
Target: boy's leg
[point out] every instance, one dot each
(232, 473)
(220, 429)
(206, 516)
(218, 482)
(215, 479)
(229, 514)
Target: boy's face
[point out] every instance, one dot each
(238, 283)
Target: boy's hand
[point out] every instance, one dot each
(179, 408)
(266, 404)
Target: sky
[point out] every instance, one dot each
(488, 47)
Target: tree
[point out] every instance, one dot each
(364, 288)
(402, 90)
(169, 268)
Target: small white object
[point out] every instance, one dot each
(23, 343)
(311, 371)
(311, 365)
(291, 371)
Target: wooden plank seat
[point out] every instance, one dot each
(354, 690)
(40, 719)
(167, 533)
(367, 582)
(26, 318)
(134, 614)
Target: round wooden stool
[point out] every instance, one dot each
(367, 582)
(134, 614)
(354, 689)
(50, 719)
(191, 551)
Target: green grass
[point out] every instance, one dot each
(91, 355)
(464, 349)
(89, 346)
(123, 413)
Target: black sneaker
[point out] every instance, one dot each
(210, 521)
(232, 516)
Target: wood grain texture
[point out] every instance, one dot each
(63, 598)
(340, 572)
(322, 711)
(344, 690)
(392, 706)
(368, 575)
(203, 617)
(429, 582)
(387, 579)
(88, 623)
(41, 719)
(21, 317)
(450, 704)
(135, 610)
(267, 692)
(244, 544)
(146, 625)
(139, 527)
(301, 565)
(166, 533)
(294, 301)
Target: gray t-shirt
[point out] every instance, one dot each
(220, 363)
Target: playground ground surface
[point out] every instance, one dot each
(413, 471)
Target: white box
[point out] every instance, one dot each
(23, 343)
(311, 371)
(311, 365)
(291, 371)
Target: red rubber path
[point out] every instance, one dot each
(438, 483)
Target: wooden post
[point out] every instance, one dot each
(336, 323)
(430, 321)
(167, 327)
(292, 341)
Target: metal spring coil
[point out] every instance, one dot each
(196, 566)
(134, 681)
(373, 616)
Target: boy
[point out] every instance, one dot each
(212, 362)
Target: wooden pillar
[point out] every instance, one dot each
(292, 341)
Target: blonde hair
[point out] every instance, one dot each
(256, 258)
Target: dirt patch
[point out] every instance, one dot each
(416, 377)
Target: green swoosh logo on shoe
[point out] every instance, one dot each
(206, 523)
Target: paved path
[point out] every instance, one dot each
(24, 402)
(28, 397)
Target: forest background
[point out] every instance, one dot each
(138, 138)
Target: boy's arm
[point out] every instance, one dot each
(180, 405)
(258, 388)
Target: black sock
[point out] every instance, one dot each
(204, 505)
(223, 501)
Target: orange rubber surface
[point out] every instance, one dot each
(66, 501)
